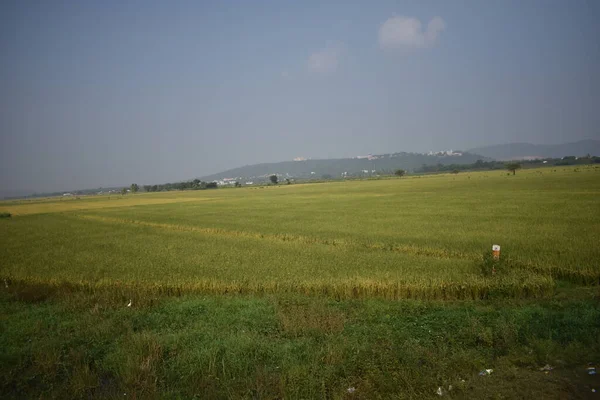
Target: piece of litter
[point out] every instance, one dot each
(486, 372)
(351, 389)
(593, 390)
(547, 367)
(439, 392)
(129, 305)
(450, 387)
(591, 371)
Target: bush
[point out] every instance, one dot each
(5, 215)
(489, 266)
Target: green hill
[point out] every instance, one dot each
(516, 151)
(376, 164)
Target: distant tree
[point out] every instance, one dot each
(134, 188)
(513, 167)
(400, 172)
(123, 191)
(237, 184)
(211, 185)
(287, 181)
(148, 188)
(326, 176)
(455, 171)
(273, 179)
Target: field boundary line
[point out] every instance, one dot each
(587, 276)
(75, 206)
(32, 289)
(285, 237)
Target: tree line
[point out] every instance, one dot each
(512, 166)
(196, 184)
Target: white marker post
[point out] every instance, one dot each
(496, 251)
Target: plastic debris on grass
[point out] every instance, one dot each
(486, 372)
(351, 389)
(591, 370)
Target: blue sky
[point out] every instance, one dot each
(98, 93)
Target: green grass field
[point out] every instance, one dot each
(304, 291)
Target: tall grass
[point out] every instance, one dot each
(294, 347)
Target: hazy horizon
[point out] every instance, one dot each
(96, 94)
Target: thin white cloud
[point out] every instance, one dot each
(325, 60)
(406, 32)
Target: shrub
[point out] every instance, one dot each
(5, 215)
(489, 266)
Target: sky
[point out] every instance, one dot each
(103, 93)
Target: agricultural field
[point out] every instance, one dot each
(357, 289)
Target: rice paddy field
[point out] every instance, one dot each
(382, 288)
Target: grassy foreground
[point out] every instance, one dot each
(307, 291)
(295, 347)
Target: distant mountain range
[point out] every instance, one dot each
(519, 151)
(387, 163)
(379, 164)
(336, 168)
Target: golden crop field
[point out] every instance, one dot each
(415, 237)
